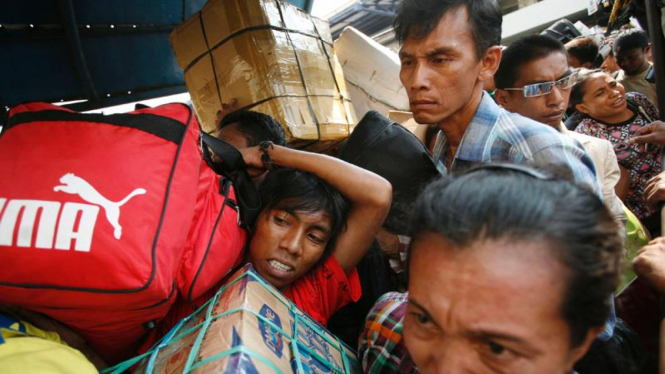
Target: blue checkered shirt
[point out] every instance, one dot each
(498, 136)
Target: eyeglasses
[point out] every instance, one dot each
(544, 88)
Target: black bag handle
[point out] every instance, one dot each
(233, 166)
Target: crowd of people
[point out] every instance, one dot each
(514, 253)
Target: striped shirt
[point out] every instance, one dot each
(498, 136)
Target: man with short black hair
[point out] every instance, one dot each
(631, 48)
(535, 80)
(583, 53)
(244, 128)
(449, 49)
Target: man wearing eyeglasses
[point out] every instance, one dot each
(535, 80)
(448, 50)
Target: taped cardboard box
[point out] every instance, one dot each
(248, 327)
(371, 72)
(273, 58)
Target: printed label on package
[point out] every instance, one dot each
(272, 338)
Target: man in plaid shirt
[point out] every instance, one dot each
(449, 48)
(382, 349)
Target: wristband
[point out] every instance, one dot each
(265, 157)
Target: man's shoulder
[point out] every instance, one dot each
(523, 124)
(394, 298)
(521, 131)
(390, 308)
(591, 140)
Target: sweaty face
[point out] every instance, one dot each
(286, 245)
(550, 108)
(632, 61)
(440, 71)
(493, 307)
(604, 97)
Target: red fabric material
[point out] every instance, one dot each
(145, 193)
(322, 292)
(215, 242)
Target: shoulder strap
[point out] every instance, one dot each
(233, 167)
(635, 106)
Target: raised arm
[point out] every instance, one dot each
(369, 195)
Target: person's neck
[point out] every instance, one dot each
(618, 118)
(642, 70)
(455, 126)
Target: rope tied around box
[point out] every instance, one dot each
(194, 360)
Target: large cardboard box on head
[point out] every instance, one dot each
(248, 327)
(273, 58)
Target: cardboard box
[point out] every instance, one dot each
(249, 327)
(371, 72)
(273, 58)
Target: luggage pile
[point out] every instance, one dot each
(247, 327)
(272, 58)
(106, 220)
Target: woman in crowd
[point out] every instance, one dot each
(511, 271)
(612, 114)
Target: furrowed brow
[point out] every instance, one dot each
(322, 228)
(489, 335)
(422, 308)
(440, 51)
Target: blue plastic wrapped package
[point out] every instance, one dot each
(248, 327)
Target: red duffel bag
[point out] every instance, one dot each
(106, 220)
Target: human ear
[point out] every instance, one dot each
(582, 108)
(490, 63)
(503, 98)
(578, 352)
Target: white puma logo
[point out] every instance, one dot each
(77, 186)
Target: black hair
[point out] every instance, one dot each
(256, 127)
(299, 191)
(579, 89)
(519, 204)
(585, 49)
(417, 18)
(631, 39)
(522, 52)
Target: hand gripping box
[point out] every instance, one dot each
(273, 58)
(248, 327)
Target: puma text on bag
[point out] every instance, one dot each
(106, 220)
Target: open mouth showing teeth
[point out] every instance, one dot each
(280, 266)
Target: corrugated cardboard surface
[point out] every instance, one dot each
(371, 72)
(249, 327)
(271, 57)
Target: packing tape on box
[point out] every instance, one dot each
(288, 32)
(284, 97)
